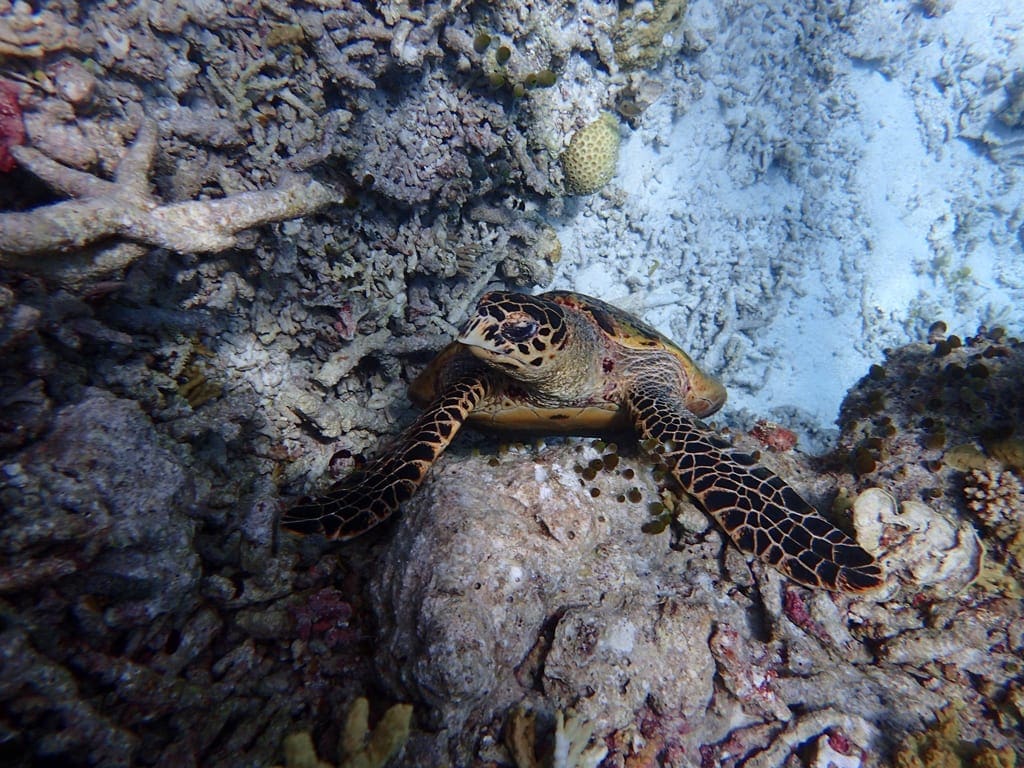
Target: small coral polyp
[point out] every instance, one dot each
(589, 162)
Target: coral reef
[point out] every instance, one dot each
(199, 344)
(589, 161)
(552, 584)
(189, 353)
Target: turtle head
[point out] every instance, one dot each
(521, 336)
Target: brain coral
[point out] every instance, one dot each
(589, 161)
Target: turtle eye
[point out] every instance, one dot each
(519, 332)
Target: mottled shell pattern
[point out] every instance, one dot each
(522, 409)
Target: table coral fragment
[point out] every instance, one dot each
(916, 544)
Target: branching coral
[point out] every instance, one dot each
(572, 748)
(360, 747)
(50, 240)
(355, 42)
(436, 142)
(995, 496)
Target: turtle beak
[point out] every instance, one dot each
(480, 335)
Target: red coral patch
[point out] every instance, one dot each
(773, 436)
(12, 127)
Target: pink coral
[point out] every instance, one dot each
(326, 615)
(773, 436)
(12, 128)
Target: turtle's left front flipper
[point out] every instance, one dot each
(369, 496)
(761, 513)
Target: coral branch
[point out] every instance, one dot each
(360, 747)
(125, 209)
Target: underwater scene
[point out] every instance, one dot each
(512, 384)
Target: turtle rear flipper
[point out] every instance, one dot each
(761, 513)
(369, 496)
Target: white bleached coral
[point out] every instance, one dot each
(51, 240)
(915, 544)
(995, 496)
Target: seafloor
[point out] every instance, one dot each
(232, 233)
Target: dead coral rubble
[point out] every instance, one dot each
(49, 240)
(645, 33)
(31, 34)
(432, 145)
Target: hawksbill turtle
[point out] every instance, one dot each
(565, 363)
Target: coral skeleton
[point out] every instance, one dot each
(50, 240)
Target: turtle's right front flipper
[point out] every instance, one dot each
(369, 496)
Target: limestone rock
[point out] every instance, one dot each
(115, 520)
(493, 591)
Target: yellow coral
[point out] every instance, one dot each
(360, 747)
(941, 747)
(589, 162)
